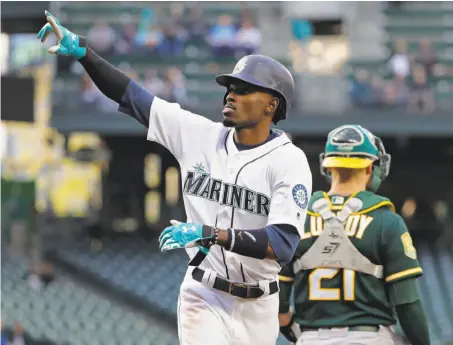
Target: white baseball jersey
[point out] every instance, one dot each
(228, 188)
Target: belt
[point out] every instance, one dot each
(235, 289)
(350, 329)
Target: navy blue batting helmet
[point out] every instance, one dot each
(265, 72)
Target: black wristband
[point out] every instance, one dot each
(82, 42)
(210, 235)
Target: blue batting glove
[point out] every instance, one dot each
(184, 235)
(69, 44)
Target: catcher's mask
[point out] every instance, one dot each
(354, 147)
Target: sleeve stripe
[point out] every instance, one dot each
(404, 273)
(285, 279)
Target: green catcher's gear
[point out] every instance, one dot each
(333, 248)
(354, 147)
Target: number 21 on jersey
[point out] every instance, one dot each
(317, 293)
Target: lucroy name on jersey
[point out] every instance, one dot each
(203, 186)
(355, 226)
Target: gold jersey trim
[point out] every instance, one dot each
(285, 279)
(404, 273)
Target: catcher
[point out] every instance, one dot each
(355, 263)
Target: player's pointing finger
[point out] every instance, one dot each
(55, 28)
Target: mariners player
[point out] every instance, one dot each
(355, 260)
(246, 190)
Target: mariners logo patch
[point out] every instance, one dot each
(300, 196)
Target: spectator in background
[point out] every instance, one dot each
(40, 275)
(427, 57)
(421, 94)
(195, 23)
(149, 38)
(366, 91)
(359, 86)
(17, 336)
(90, 93)
(248, 37)
(222, 37)
(177, 13)
(126, 42)
(3, 336)
(92, 96)
(102, 37)
(399, 63)
(174, 87)
(149, 34)
(174, 33)
(396, 92)
(152, 82)
(374, 95)
(172, 43)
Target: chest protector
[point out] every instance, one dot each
(333, 248)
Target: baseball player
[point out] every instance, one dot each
(245, 187)
(355, 262)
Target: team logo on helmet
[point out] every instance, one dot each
(241, 64)
(300, 196)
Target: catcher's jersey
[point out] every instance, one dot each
(227, 188)
(326, 297)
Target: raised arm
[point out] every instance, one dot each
(167, 123)
(133, 99)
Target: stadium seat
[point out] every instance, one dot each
(67, 313)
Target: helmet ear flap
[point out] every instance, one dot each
(324, 171)
(280, 112)
(381, 169)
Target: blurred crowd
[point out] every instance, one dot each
(403, 82)
(169, 85)
(39, 276)
(167, 37)
(13, 335)
(227, 36)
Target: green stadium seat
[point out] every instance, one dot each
(69, 314)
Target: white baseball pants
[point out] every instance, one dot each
(207, 316)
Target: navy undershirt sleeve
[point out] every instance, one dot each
(136, 102)
(283, 239)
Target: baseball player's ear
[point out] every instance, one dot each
(273, 105)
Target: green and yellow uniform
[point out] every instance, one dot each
(355, 266)
(326, 297)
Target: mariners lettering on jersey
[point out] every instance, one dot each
(200, 183)
(355, 225)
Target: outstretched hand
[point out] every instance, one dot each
(69, 44)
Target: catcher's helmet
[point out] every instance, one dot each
(267, 73)
(354, 147)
